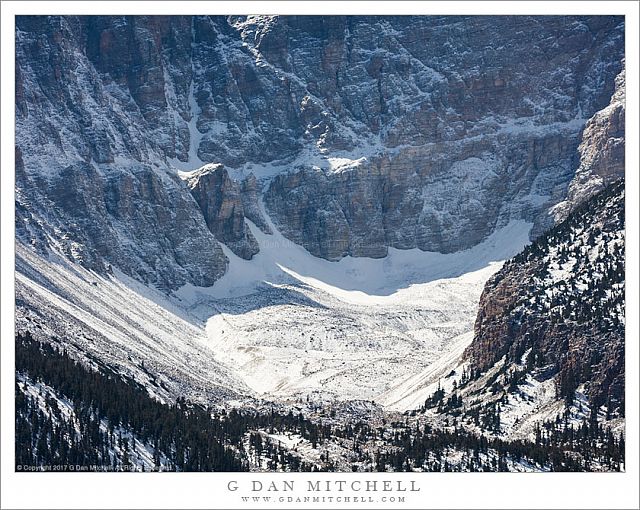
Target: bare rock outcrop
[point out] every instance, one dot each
(559, 306)
(363, 133)
(221, 203)
(601, 153)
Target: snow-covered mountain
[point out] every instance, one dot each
(364, 133)
(562, 302)
(298, 210)
(549, 336)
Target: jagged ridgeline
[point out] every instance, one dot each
(558, 307)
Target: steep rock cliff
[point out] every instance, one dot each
(220, 201)
(428, 132)
(559, 305)
(601, 153)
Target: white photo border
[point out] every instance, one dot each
(212, 490)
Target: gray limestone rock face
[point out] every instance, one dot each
(96, 120)
(423, 198)
(250, 194)
(460, 134)
(362, 133)
(220, 200)
(601, 153)
(144, 224)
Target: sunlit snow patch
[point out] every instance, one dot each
(374, 329)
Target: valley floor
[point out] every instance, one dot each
(283, 326)
(356, 341)
(383, 330)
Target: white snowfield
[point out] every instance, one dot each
(281, 326)
(372, 329)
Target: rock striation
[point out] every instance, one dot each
(362, 133)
